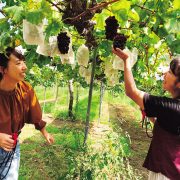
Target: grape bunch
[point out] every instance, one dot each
(119, 41)
(111, 27)
(73, 8)
(63, 42)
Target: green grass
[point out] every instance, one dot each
(50, 92)
(122, 99)
(39, 160)
(60, 108)
(80, 111)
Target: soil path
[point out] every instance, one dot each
(100, 128)
(124, 117)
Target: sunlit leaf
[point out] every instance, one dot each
(176, 4)
(133, 15)
(122, 4)
(35, 17)
(15, 12)
(4, 25)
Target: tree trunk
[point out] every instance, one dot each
(90, 97)
(71, 99)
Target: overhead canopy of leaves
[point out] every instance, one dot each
(151, 26)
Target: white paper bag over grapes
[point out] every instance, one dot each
(86, 73)
(33, 34)
(71, 56)
(50, 48)
(108, 68)
(83, 55)
(118, 63)
(82, 71)
(114, 78)
(68, 58)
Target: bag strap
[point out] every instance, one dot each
(147, 123)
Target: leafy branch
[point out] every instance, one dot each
(142, 7)
(146, 47)
(156, 57)
(93, 9)
(2, 12)
(55, 5)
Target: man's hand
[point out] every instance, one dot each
(6, 142)
(120, 53)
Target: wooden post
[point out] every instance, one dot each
(101, 99)
(90, 96)
(71, 99)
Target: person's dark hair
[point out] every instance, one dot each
(4, 58)
(175, 68)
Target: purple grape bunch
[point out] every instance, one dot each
(63, 42)
(119, 41)
(111, 27)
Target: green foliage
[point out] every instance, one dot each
(66, 159)
(41, 160)
(35, 17)
(146, 23)
(4, 25)
(9, 2)
(16, 13)
(106, 163)
(53, 28)
(175, 44)
(60, 108)
(44, 76)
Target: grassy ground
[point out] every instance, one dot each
(61, 160)
(42, 161)
(60, 108)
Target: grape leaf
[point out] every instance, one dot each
(4, 25)
(53, 28)
(133, 15)
(123, 4)
(176, 4)
(175, 46)
(15, 12)
(35, 17)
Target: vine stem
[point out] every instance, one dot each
(55, 5)
(156, 58)
(142, 7)
(2, 12)
(146, 57)
(98, 6)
